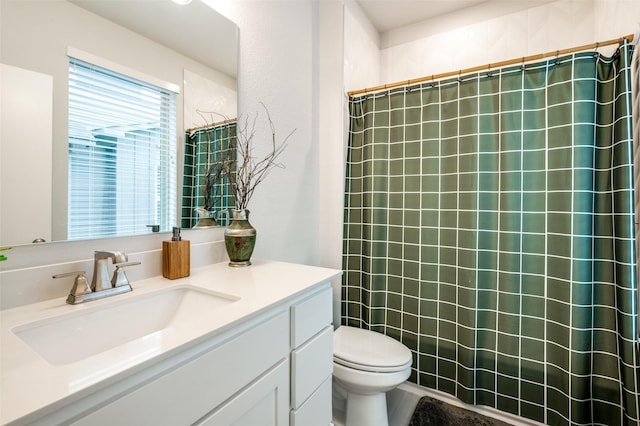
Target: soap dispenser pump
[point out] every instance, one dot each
(176, 256)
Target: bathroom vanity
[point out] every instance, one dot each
(241, 346)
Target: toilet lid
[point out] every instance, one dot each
(369, 350)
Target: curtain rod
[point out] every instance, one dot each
(212, 125)
(493, 65)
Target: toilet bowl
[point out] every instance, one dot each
(366, 365)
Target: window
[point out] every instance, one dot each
(122, 148)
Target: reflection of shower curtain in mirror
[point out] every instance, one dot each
(489, 227)
(203, 147)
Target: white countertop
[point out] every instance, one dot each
(29, 383)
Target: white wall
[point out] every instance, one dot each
(361, 50)
(278, 66)
(463, 40)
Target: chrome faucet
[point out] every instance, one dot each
(101, 280)
(101, 285)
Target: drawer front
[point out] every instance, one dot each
(316, 411)
(311, 364)
(187, 393)
(310, 316)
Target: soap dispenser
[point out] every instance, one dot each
(176, 257)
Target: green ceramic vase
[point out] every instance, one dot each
(240, 239)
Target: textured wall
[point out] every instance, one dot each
(277, 66)
(465, 39)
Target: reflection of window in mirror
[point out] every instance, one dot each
(122, 147)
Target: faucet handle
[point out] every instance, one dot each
(80, 285)
(123, 264)
(119, 276)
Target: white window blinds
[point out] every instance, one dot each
(122, 148)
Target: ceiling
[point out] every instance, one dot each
(386, 15)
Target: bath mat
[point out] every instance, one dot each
(433, 412)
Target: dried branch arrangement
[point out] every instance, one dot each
(239, 163)
(212, 176)
(250, 172)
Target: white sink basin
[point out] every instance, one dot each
(71, 337)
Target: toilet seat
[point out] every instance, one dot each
(369, 351)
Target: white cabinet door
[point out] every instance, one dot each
(264, 403)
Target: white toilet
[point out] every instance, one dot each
(366, 365)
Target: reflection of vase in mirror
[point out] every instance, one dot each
(240, 239)
(206, 218)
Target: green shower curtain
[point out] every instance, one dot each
(204, 147)
(489, 227)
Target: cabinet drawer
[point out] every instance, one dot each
(311, 364)
(193, 389)
(310, 316)
(316, 411)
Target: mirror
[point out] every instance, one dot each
(191, 46)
